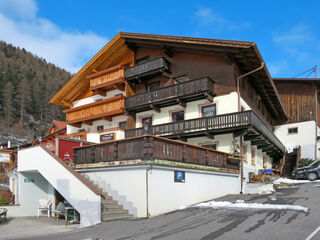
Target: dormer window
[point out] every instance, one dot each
(293, 130)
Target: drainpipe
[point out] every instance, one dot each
(239, 110)
(147, 189)
(316, 112)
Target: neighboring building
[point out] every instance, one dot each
(57, 129)
(300, 97)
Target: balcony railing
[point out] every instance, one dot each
(165, 96)
(148, 68)
(101, 109)
(108, 79)
(154, 148)
(214, 124)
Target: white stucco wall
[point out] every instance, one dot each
(128, 185)
(30, 193)
(224, 104)
(82, 198)
(96, 97)
(306, 137)
(165, 195)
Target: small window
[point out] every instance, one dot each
(209, 111)
(178, 116)
(82, 130)
(212, 146)
(100, 127)
(147, 121)
(153, 86)
(292, 130)
(123, 124)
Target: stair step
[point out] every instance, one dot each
(111, 206)
(114, 216)
(114, 211)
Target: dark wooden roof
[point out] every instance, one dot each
(315, 81)
(244, 54)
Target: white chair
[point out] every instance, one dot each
(44, 206)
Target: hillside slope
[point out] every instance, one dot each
(27, 83)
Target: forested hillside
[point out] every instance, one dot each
(27, 83)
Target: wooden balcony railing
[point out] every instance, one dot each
(106, 109)
(152, 148)
(108, 79)
(218, 123)
(148, 68)
(165, 96)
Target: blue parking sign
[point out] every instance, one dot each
(179, 176)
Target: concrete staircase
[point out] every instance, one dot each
(110, 208)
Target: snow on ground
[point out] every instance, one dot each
(240, 204)
(292, 181)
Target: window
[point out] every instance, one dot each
(147, 121)
(82, 130)
(292, 130)
(178, 116)
(99, 128)
(212, 146)
(209, 111)
(253, 157)
(123, 124)
(153, 86)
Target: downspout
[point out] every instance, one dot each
(239, 110)
(147, 189)
(316, 112)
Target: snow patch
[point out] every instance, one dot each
(240, 204)
(292, 181)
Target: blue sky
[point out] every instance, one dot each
(68, 33)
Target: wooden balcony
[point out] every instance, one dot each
(103, 109)
(147, 69)
(175, 94)
(247, 123)
(154, 148)
(108, 79)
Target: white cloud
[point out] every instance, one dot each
(206, 18)
(298, 42)
(275, 68)
(69, 50)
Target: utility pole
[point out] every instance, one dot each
(315, 71)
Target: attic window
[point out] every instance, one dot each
(292, 130)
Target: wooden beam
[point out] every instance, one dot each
(155, 108)
(251, 137)
(182, 103)
(210, 135)
(168, 50)
(88, 122)
(77, 125)
(66, 103)
(100, 92)
(257, 142)
(108, 119)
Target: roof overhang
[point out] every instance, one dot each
(242, 53)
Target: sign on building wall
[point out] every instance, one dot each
(179, 176)
(29, 180)
(4, 157)
(107, 137)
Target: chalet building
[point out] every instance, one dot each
(171, 118)
(300, 97)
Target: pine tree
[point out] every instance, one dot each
(8, 103)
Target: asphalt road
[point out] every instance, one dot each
(207, 224)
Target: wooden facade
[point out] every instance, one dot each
(300, 98)
(154, 148)
(103, 109)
